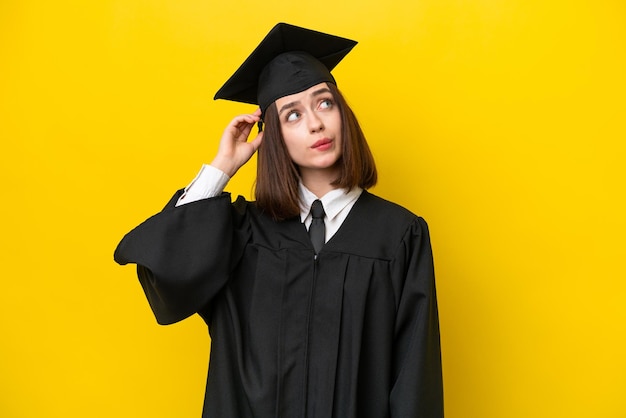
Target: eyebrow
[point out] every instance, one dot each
(295, 103)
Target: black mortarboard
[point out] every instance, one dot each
(290, 59)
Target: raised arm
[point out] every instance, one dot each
(184, 255)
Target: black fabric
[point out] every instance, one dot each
(317, 229)
(290, 59)
(352, 333)
(290, 73)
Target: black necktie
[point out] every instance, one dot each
(317, 229)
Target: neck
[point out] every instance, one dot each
(319, 181)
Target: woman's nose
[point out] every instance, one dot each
(315, 122)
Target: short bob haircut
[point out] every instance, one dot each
(276, 190)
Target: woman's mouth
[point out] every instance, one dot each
(322, 144)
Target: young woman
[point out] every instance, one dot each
(319, 296)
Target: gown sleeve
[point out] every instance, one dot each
(417, 386)
(184, 254)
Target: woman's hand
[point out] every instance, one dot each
(235, 150)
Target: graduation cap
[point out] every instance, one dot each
(290, 59)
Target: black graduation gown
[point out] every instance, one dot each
(353, 333)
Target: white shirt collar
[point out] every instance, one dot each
(334, 201)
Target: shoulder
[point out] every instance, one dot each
(387, 213)
(375, 202)
(405, 233)
(377, 228)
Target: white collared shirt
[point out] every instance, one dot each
(337, 203)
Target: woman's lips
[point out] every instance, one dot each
(322, 144)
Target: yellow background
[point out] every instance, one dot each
(501, 122)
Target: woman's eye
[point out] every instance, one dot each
(293, 116)
(326, 103)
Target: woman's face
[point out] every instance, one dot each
(311, 126)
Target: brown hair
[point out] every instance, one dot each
(276, 191)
